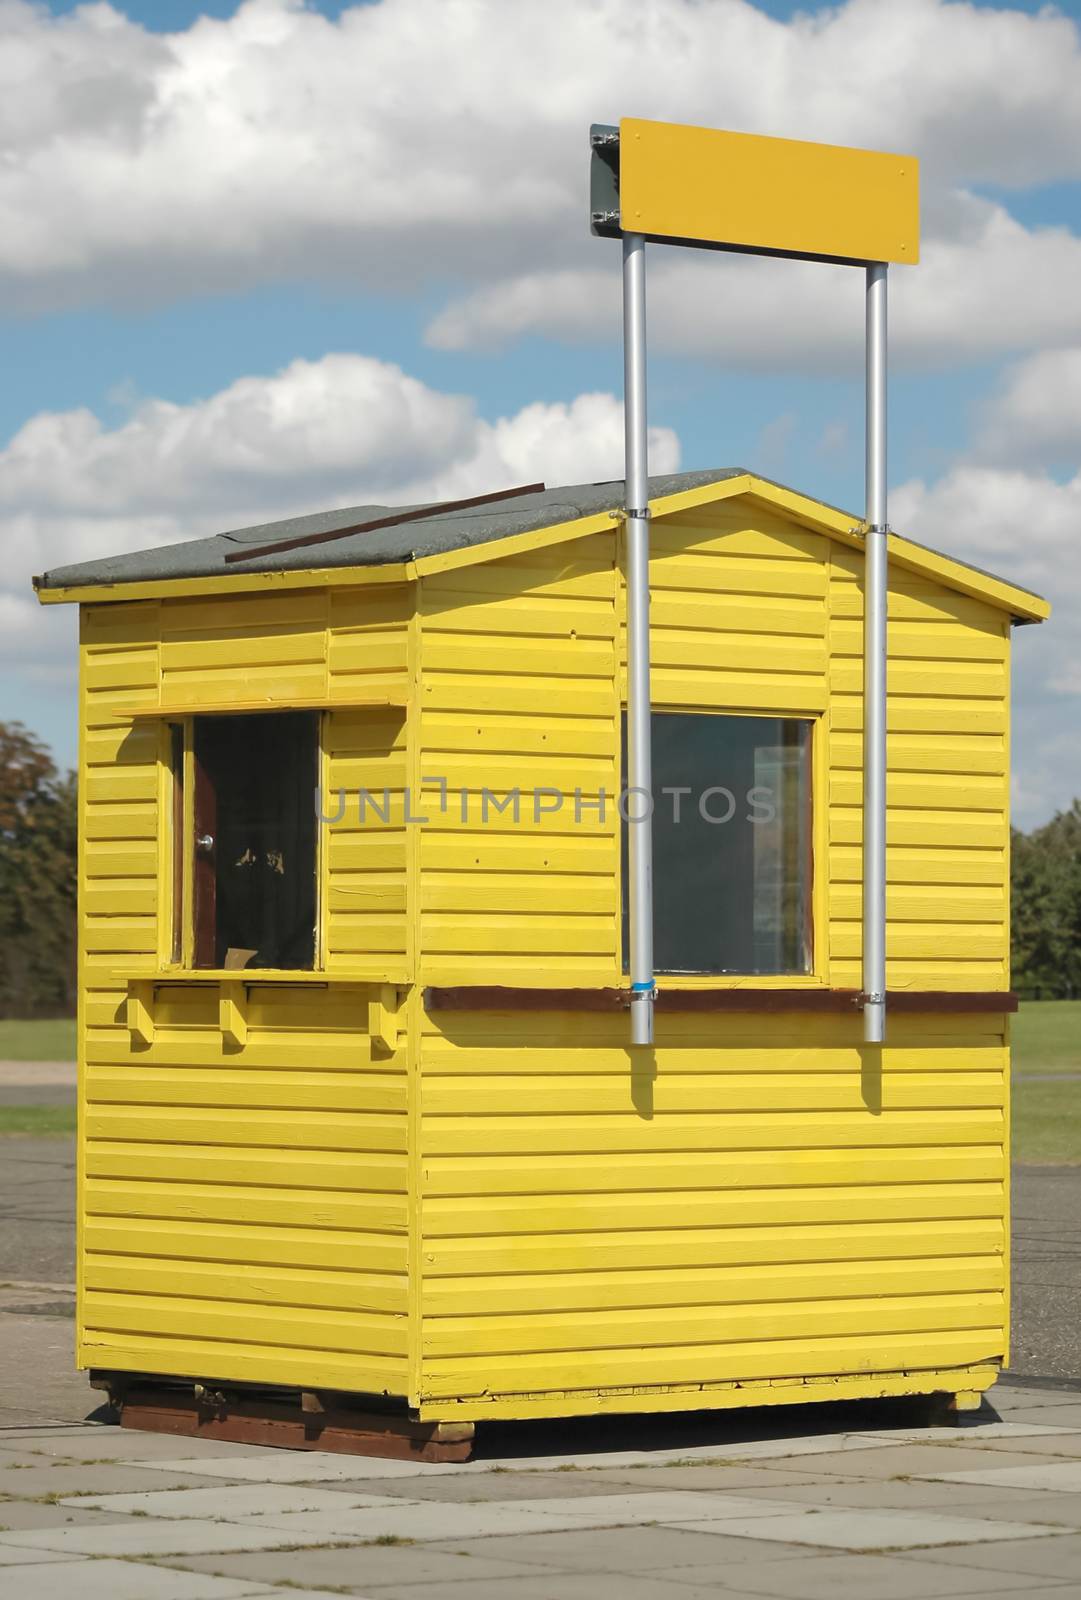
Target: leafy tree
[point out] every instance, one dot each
(38, 834)
(1046, 908)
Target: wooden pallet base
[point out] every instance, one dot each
(297, 1420)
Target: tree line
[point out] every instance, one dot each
(38, 833)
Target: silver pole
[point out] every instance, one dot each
(639, 802)
(874, 670)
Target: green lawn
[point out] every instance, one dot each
(52, 1040)
(1046, 1036)
(1046, 1123)
(37, 1119)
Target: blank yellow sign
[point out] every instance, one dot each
(773, 195)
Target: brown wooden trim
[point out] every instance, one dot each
(287, 1419)
(176, 839)
(421, 514)
(468, 997)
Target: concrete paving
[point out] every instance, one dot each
(796, 1503)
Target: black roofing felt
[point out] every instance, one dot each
(434, 535)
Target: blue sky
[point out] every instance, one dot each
(113, 325)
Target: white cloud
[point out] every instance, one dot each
(344, 430)
(1024, 526)
(1035, 417)
(971, 297)
(446, 139)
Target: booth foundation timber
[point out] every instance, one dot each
(360, 1128)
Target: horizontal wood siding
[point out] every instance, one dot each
(242, 1211)
(245, 1211)
(518, 692)
(757, 1200)
(947, 904)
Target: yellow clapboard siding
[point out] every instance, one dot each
(926, 903)
(585, 1135)
(300, 1365)
(380, 1097)
(244, 1205)
(536, 733)
(150, 1241)
(267, 646)
(932, 641)
(980, 830)
(901, 1348)
(954, 754)
(717, 1325)
(541, 1258)
(295, 1166)
(598, 1214)
(927, 792)
(522, 615)
(746, 1170)
(244, 1125)
(527, 854)
(584, 1052)
(916, 865)
(240, 1322)
(120, 859)
(551, 893)
(487, 691)
(705, 1092)
(121, 897)
(364, 1293)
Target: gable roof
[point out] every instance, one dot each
(570, 511)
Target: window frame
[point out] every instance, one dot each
(177, 941)
(818, 844)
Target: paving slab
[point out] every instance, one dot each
(226, 1502)
(918, 1460)
(49, 1476)
(923, 1494)
(18, 1515)
(859, 1529)
(870, 1577)
(433, 1521)
(360, 1567)
(1036, 1558)
(146, 1537)
(566, 1586)
(100, 1442)
(630, 1549)
(984, 1433)
(121, 1580)
(1051, 1475)
(1049, 1442)
(766, 1480)
(298, 1466)
(12, 1557)
(508, 1486)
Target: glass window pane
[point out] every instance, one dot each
(732, 863)
(255, 840)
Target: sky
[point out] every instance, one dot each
(272, 257)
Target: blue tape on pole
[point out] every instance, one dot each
(643, 988)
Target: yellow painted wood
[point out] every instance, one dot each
(310, 1177)
(762, 194)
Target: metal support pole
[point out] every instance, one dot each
(874, 670)
(639, 801)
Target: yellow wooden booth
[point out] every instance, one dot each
(359, 1123)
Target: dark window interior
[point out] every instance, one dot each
(255, 829)
(731, 896)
